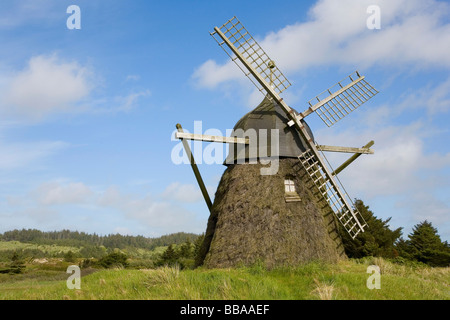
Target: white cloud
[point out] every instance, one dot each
(46, 86)
(423, 206)
(182, 192)
(20, 155)
(210, 74)
(111, 197)
(39, 214)
(414, 33)
(25, 12)
(122, 231)
(56, 193)
(41, 204)
(435, 99)
(427, 207)
(399, 166)
(127, 103)
(52, 200)
(158, 214)
(133, 77)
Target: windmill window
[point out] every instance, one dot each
(289, 185)
(291, 194)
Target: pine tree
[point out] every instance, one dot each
(169, 257)
(186, 249)
(197, 247)
(377, 239)
(403, 248)
(425, 245)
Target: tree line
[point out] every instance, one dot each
(423, 244)
(82, 239)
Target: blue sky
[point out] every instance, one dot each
(87, 116)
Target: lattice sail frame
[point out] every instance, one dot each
(342, 98)
(252, 52)
(338, 199)
(249, 55)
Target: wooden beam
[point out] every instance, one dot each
(345, 149)
(195, 169)
(207, 138)
(351, 159)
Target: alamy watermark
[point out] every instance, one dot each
(74, 280)
(374, 20)
(74, 20)
(263, 148)
(374, 280)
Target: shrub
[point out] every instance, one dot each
(69, 256)
(115, 259)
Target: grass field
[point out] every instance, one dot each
(314, 281)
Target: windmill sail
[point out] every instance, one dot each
(243, 49)
(338, 101)
(234, 33)
(337, 198)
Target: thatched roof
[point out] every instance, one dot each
(269, 115)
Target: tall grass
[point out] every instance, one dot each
(342, 281)
(323, 290)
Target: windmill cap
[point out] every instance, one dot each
(267, 115)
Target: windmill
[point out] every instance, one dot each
(331, 106)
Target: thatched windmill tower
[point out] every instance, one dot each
(291, 214)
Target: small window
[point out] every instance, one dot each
(289, 185)
(291, 194)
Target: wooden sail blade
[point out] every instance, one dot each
(338, 101)
(234, 33)
(336, 197)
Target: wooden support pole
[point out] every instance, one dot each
(351, 159)
(195, 169)
(344, 149)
